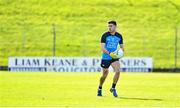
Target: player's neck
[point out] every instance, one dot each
(113, 33)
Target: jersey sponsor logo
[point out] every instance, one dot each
(111, 45)
(112, 42)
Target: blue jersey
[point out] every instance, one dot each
(111, 43)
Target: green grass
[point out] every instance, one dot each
(148, 27)
(79, 89)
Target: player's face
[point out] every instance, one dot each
(112, 28)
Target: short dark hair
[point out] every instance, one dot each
(112, 22)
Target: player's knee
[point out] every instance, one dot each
(118, 73)
(105, 71)
(104, 75)
(117, 70)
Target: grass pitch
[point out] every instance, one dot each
(147, 26)
(79, 89)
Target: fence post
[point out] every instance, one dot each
(23, 40)
(176, 48)
(54, 40)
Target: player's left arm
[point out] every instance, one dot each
(122, 46)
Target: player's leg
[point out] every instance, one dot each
(105, 65)
(116, 67)
(103, 77)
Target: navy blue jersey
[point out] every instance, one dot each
(111, 43)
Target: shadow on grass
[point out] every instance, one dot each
(140, 98)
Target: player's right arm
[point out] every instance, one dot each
(104, 49)
(103, 42)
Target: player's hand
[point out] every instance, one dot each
(112, 54)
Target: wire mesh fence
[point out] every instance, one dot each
(80, 41)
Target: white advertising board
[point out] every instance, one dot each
(76, 64)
